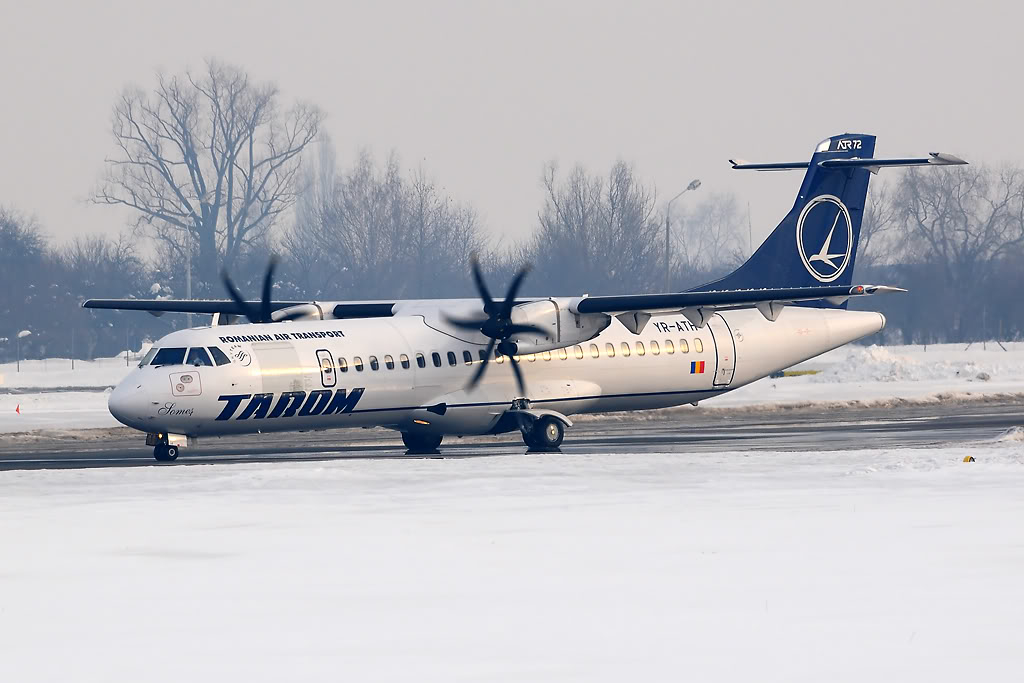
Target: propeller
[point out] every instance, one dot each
(263, 313)
(497, 324)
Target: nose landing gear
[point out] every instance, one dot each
(166, 446)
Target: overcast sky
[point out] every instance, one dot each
(482, 94)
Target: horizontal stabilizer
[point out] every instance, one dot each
(741, 165)
(933, 158)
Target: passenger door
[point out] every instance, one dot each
(328, 372)
(725, 349)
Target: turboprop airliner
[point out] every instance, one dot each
(435, 368)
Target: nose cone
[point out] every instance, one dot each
(127, 401)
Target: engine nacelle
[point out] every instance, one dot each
(311, 311)
(565, 327)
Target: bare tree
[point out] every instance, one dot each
(962, 222)
(710, 240)
(372, 232)
(207, 159)
(598, 234)
(963, 218)
(880, 240)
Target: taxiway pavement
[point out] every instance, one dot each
(680, 431)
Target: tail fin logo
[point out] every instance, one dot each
(824, 237)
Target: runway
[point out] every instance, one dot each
(808, 429)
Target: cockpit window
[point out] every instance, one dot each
(218, 356)
(148, 357)
(169, 356)
(197, 356)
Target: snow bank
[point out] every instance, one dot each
(1012, 435)
(912, 364)
(52, 373)
(54, 411)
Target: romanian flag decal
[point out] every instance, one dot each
(697, 367)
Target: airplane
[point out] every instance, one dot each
(453, 367)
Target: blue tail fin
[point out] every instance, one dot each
(816, 243)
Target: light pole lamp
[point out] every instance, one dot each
(694, 184)
(17, 344)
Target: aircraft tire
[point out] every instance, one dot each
(421, 443)
(165, 453)
(546, 434)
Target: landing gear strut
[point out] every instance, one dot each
(544, 434)
(165, 453)
(419, 443)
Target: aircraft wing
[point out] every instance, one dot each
(698, 306)
(370, 309)
(161, 306)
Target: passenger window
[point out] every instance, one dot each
(655, 349)
(198, 356)
(421, 362)
(389, 362)
(578, 350)
(218, 356)
(563, 353)
(669, 347)
(342, 364)
(169, 356)
(546, 355)
(625, 349)
(467, 357)
(357, 363)
(698, 345)
(609, 350)
(404, 360)
(483, 354)
(452, 360)
(683, 346)
(499, 358)
(436, 357)
(374, 365)
(640, 348)
(594, 351)
(531, 357)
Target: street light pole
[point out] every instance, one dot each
(17, 344)
(694, 184)
(188, 275)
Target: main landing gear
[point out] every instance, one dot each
(544, 434)
(165, 453)
(421, 443)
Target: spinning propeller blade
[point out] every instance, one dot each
(253, 314)
(497, 325)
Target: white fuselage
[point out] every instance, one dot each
(310, 375)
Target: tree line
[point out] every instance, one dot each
(220, 172)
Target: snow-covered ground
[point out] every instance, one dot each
(851, 566)
(877, 374)
(851, 374)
